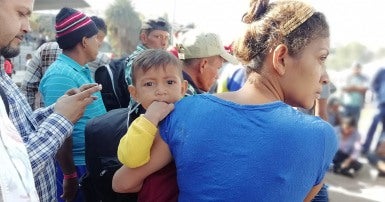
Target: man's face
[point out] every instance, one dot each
(156, 39)
(14, 21)
(209, 74)
(100, 36)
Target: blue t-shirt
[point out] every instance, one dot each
(229, 152)
(62, 75)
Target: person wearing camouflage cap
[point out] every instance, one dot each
(154, 34)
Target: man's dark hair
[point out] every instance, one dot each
(156, 24)
(100, 24)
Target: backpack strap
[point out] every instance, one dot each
(5, 100)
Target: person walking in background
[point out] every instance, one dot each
(76, 35)
(236, 145)
(45, 55)
(28, 58)
(353, 92)
(154, 34)
(377, 157)
(378, 88)
(43, 131)
(345, 161)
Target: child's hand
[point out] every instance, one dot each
(157, 111)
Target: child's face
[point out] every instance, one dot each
(158, 84)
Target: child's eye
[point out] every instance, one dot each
(170, 82)
(149, 83)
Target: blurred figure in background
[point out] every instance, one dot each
(378, 88)
(353, 92)
(345, 161)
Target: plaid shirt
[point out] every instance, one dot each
(42, 58)
(43, 132)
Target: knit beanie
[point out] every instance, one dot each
(71, 26)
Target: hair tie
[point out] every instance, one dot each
(299, 17)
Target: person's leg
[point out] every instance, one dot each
(356, 165)
(339, 157)
(370, 134)
(380, 116)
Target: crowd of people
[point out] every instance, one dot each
(205, 121)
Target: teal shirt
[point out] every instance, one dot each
(354, 99)
(62, 75)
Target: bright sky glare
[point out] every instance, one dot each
(350, 20)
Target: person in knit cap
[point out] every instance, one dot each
(76, 34)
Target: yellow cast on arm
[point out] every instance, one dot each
(135, 146)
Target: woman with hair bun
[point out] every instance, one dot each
(251, 144)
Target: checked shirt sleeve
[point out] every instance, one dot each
(45, 142)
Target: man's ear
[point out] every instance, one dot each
(143, 37)
(84, 42)
(280, 54)
(202, 64)
(184, 87)
(133, 91)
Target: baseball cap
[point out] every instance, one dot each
(201, 45)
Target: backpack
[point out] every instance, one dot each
(115, 89)
(102, 137)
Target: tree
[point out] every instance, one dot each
(123, 26)
(343, 57)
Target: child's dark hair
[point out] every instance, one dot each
(291, 22)
(154, 58)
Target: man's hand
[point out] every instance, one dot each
(157, 111)
(73, 103)
(70, 189)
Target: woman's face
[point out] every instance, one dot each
(305, 74)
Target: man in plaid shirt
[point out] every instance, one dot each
(44, 130)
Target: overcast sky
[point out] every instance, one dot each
(350, 20)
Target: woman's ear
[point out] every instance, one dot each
(280, 54)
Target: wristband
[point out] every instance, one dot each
(70, 176)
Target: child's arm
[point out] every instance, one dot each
(129, 180)
(134, 147)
